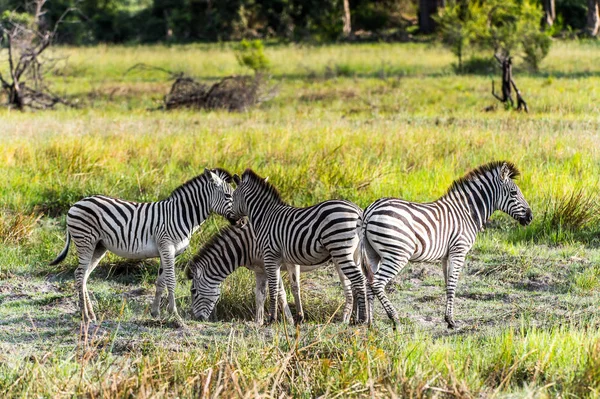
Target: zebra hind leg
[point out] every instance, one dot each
(389, 269)
(349, 305)
(294, 275)
(84, 254)
(99, 253)
(357, 281)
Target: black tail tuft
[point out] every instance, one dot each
(61, 256)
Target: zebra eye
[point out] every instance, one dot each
(513, 193)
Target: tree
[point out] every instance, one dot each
(549, 12)
(347, 29)
(593, 21)
(427, 10)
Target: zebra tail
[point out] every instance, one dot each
(364, 259)
(61, 256)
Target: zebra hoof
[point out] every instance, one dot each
(154, 313)
(298, 319)
(451, 323)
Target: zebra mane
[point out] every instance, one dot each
(222, 173)
(251, 176)
(482, 170)
(214, 242)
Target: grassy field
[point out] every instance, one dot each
(358, 122)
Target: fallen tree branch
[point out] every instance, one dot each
(508, 84)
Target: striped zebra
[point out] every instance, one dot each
(234, 247)
(301, 236)
(143, 230)
(393, 231)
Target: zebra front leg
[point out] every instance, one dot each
(455, 263)
(272, 267)
(294, 275)
(349, 306)
(283, 303)
(166, 278)
(260, 294)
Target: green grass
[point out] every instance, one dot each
(358, 122)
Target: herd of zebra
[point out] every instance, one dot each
(368, 247)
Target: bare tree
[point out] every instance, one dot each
(593, 21)
(508, 84)
(347, 30)
(25, 41)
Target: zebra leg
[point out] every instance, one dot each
(283, 303)
(455, 263)
(166, 278)
(260, 295)
(357, 280)
(349, 307)
(294, 275)
(99, 253)
(272, 267)
(85, 254)
(388, 270)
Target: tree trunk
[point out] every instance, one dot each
(549, 12)
(347, 30)
(427, 9)
(592, 17)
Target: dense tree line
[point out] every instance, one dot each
(211, 20)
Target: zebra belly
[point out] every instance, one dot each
(146, 250)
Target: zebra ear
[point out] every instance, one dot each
(215, 178)
(237, 180)
(188, 272)
(266, 179)
(505, 172)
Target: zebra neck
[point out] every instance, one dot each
(257, 210)
(190, 213)
(479, 204)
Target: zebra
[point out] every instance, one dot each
(300, 236)
(231, 248)
(393, 231)
(143, 230)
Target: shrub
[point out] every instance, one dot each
(251, 54)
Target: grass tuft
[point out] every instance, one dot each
(16, 227)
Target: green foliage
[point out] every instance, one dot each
(7, 18)
(251, 54)
(507, 27)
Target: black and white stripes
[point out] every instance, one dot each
(394, 231)
(144, 230)
(234, 247)
(301, 236)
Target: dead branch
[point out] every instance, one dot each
(508, 84)
(25, 47)
(233, 93)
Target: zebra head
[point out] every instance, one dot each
(511, 199)
(205, 293)
(252, 187)
(221, 201)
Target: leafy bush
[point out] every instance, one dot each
(508, 27)
(251, 54)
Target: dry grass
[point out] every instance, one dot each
(17, 227)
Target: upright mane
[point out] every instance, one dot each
(214, 242)
(250, 176)
(222, 173)
(482, 170)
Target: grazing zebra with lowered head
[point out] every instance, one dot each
(143, 230)
(393, 231)
(301, 236)
(231, 248)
